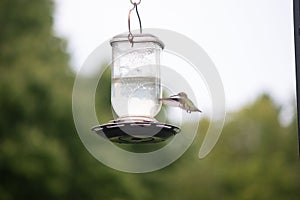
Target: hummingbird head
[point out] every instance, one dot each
(182, 94)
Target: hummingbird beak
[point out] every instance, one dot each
(176, 95)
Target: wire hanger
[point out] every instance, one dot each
(130, 35)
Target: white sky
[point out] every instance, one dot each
(250, 41)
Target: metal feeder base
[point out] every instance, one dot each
(136, 132)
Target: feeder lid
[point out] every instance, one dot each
(138, 38)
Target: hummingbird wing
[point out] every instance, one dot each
(171, 101)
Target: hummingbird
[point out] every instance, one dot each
(181, 100)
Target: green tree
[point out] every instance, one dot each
(41, 154)
(255, 158)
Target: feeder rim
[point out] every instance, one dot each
(137, 38)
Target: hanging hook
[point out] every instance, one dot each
(137, 3)
(130, 35)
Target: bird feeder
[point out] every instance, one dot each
(136, 89)
(135, 70)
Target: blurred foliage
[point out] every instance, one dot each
(41, 156)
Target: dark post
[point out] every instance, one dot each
(297, 58)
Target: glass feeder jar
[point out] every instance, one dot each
(136, 88)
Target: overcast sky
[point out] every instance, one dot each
(250, 41)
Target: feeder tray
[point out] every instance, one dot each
(136, 132)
